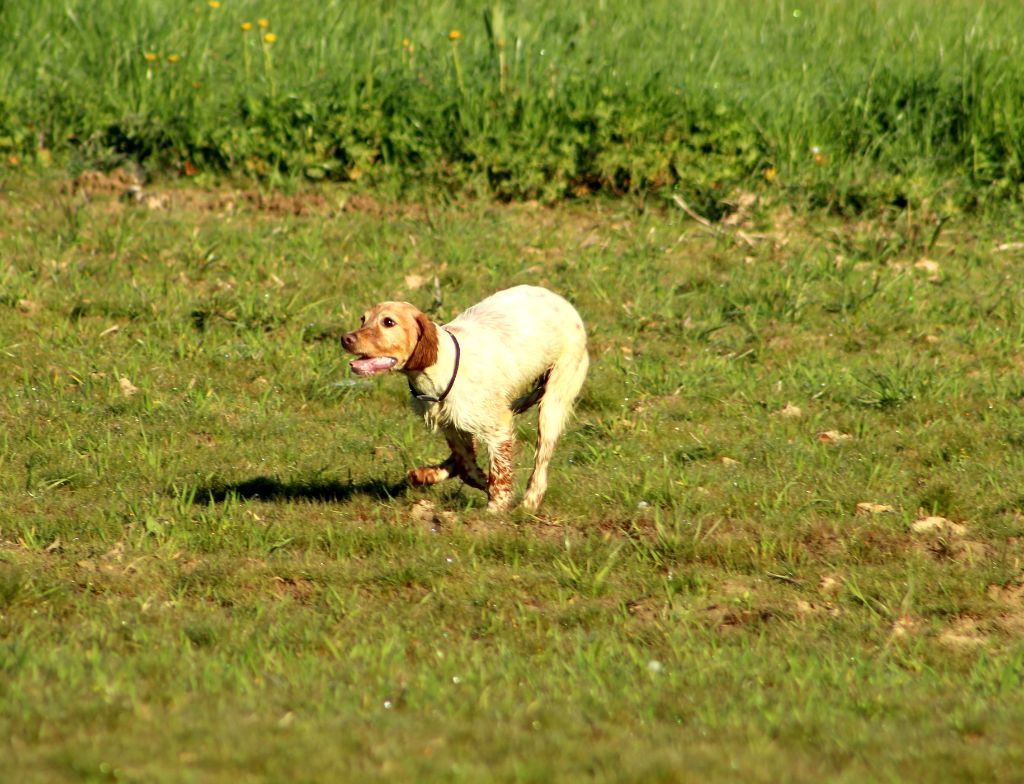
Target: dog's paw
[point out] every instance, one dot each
(427, 475)
(496, 505)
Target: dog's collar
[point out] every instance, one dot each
(455, 371)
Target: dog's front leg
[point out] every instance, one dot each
(461, 463)
(431, 475)
(464, 455)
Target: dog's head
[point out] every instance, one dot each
(393, 336)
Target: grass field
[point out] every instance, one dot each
(854, 106)
(784, 535)
(210, 569)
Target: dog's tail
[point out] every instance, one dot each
(524, 403)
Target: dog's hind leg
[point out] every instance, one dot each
(555, 406)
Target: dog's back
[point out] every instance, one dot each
(522, 333)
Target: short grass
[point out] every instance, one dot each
(211, 571)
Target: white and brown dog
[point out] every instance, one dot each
(499, 357)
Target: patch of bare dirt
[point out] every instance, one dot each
(964, 634)
(1010, 598)
(118, 182)
(127, 187)
(945, 540)
(732, 619)
(739, 586)
(300, 589)
(424, 513)
(805, 608)
(905, 626)
(646, 610)
(1011, 594)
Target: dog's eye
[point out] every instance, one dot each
(388, 322)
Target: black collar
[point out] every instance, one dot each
(455, 371)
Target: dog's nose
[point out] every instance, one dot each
(348, 341)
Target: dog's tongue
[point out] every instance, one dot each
(372, 365)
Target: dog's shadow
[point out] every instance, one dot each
(267, 488)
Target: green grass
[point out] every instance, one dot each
(221, 576)
(852, 106)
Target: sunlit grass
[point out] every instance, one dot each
(855, 106)
(214, 571)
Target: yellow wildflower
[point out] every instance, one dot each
(770, 174)
(246, 26)
(263, 23)
(454, 35)
(270, 38)
(406, 42)
(150, 57)
(173, 58)
(214, 4)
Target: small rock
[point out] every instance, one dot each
(422, 511)
(868, 507)
(930, 268)
(903, 626)
(414, 281)
(829, 585)
(833, 437)
(128, 389)
(934, 524)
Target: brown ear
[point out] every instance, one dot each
(425, 353)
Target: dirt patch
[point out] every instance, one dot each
(648, 610)
(127, 187)
(423, 513)
(739, 586)
(1010, 598)
(301, 204)
(905, 626)
(118, 182)
(804, 608)
(731, 619)
(964, 634)
(943, 539)
(300, 589)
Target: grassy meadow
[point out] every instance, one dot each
(210, 569)
(784, 535)
(848, 106)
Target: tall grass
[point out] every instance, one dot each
(848, 104)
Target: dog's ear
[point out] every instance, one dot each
(425, 353)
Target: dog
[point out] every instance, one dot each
(519, 347)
